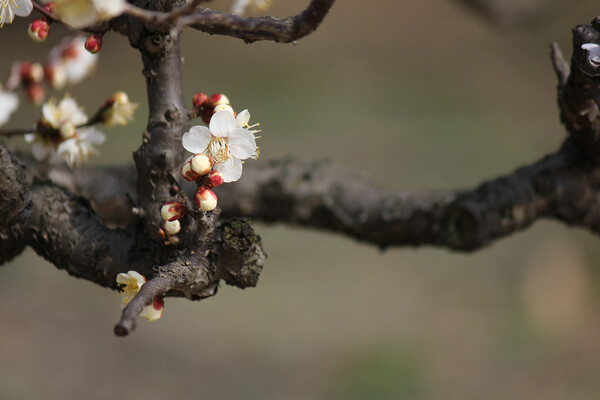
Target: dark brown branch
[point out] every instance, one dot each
(16, 132)
(266, 28)
(316, 194)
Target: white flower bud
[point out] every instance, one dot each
(206, 199)
(172, 227)
(172, 210)
(224, 107)
(67, 130)
(201, 164)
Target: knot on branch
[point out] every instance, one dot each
(239, 256)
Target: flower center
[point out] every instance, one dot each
(218, 149)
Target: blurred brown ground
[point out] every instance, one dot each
(413, 94)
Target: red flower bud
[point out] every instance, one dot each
(199, 100)
(31, 72)
(39, 29)
(49, 7)
(214, 179)
(206, 199)
(218, 98)
(35, 93)
(93, 44)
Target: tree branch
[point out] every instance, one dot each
(266, 28)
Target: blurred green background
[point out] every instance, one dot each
(415, 95)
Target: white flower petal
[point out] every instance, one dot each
(9, 102)
(222, 123)
(243, 118)
(242, 143)
(23, 7)
(231, 169)
(589, 46)
(197, 139)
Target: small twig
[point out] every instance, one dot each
(40, 8)
(561, 67)
(17, 132)
(265, 28)
(157, 286)
(164, 18)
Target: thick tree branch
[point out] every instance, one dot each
(266, 28)
(316, 194)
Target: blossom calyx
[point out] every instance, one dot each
(206, 199)
(38, 29)
(172, 210)
(93, 44)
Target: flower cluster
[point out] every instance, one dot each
(62, 135)
(229, 138)
(218, 151)
(69, 62)
(66, 133)
(131, 283)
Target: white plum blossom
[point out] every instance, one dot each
(225, 141)
(71, 57)
(240, 6)
(131, 283)
(79, 147)
(120, 110)
(84, 13)
(9, 102)
(73, 143)
(10, 8)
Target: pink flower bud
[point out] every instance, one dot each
(199, 100)
(93, 44)
(49, 7)
(201, 164)
(172, 227)
(219, 98)
(187, 173)
(35, 93)
(172, 210)
(39, 29)
(206, 200)
(214, 179)
(31, 72)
